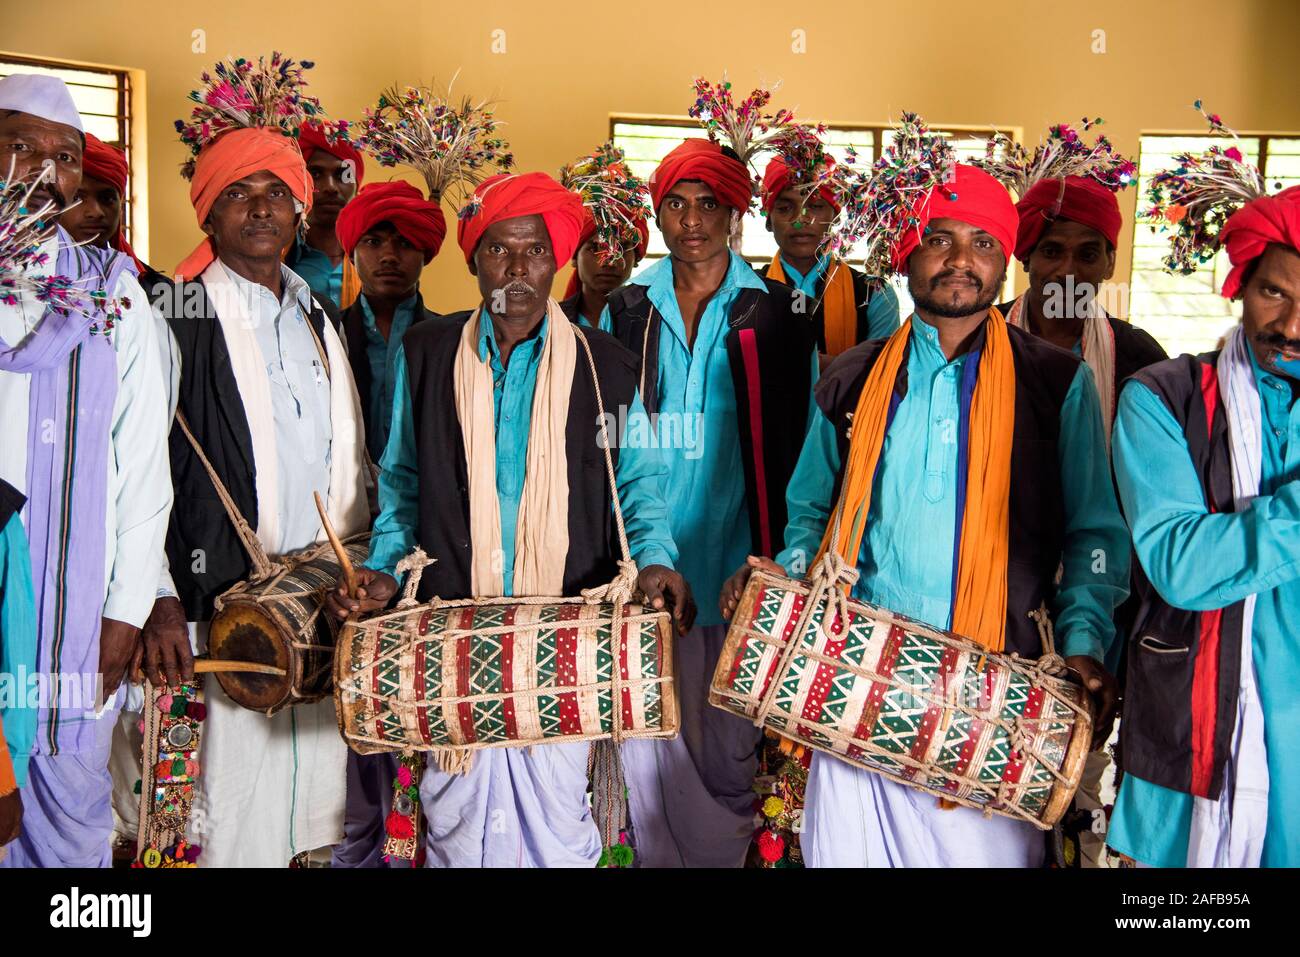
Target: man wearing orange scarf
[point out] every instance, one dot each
(844, 307)
(337, 170)
(994, 476)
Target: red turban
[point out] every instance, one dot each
(401, 204)
(703, 160)
(511, 195)
(1253, 228)
(777, 179)
(311, 139)
(974, 197)
(1080, 199)
(230, 157)
(589, 230)
(108, 163)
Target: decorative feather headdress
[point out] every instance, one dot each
(1064, 153)
(617, 200)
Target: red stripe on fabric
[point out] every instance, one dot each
(749, 351)
(422, 680)
(1210, 393)
(930, 720)
(787, 635)
(1033, 709)
(626, 697)
(464, 710)
(507, 676)
(822, 678)
(1205, 669)
(566, 671)
(876, 694)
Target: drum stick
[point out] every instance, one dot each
(349, 574)
(213, 665)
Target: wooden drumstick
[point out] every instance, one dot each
(349, 573)
(213, 665)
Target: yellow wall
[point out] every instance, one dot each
(1012, 63)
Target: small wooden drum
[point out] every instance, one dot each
(280, 620)
(926, 708)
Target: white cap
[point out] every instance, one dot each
(43, 96)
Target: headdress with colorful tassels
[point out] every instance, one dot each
(1196, 197)
(617, 200)
(454, 147)
(1064, 153)
(24, 229)
(877, 207)
(800, 147)
(240, 93)
(747, 129)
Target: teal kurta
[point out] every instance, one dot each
(324, 278)
(882, 307)
(916, 488)
(382, 356)
(17, 644)
(639, 472)
(1252, 552)
(699, 433)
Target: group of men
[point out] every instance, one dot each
(292, 346)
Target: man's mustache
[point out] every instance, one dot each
(518, 286)
(1275, 340)
(949, 273)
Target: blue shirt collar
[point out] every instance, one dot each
(487, 340)
(797, 278)
(405, 308)
(740, 275)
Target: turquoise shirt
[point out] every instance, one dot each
(906, 562)
(382, 356)
(17, 645)
(324, 278)
(882, 307)
(699, 432)
(1201, 562)
(639, 472)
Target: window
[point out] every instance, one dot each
(646, 140)
(103, 98)
(1186, 313)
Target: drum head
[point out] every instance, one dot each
(242, 631)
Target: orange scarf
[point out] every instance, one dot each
(980, 610)
(8, 782)
(351, 284)
(839, 307)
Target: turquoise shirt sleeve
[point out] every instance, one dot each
(640, 474)
(1253, 551)
(882, 313)
(1095, 555)
(17, 642)
(393, 537)
(808, 496)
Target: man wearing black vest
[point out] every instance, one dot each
(266, 390)
(977, 552)
(471, 474)
(727, 370)
(1206, 462)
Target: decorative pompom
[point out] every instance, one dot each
(398, 827)
(771, 846)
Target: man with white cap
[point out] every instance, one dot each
(83, 436)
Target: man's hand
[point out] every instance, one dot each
(734, 586)
(374, 590)
(664, 587)
(166, 658)
(1103, 694)
(118, 643)
(11, 817)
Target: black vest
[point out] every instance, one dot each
(1037, 526)
(205, 554)
(11, 503)
(770, 348)
(1164, 701)
(862, 293)
(443, 522)
(353, 323)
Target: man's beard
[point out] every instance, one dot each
(930, 303)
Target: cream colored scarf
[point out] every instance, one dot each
(542, 529)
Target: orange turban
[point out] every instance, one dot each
(973, 197)
(230, 157)
(703, 160)
(512, 195)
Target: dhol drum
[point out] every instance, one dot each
(923, 707)
(280, 620)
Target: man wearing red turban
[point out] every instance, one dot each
(845, 308)
(1204, 452)
(592, 281)
(337, 170)
(265, 386)
(489, 467)
(98, 217)
(988, 440)
(729, 360)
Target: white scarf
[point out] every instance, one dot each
(542, 528)
(1098, 342)
(1229, 832)
(346, 506)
